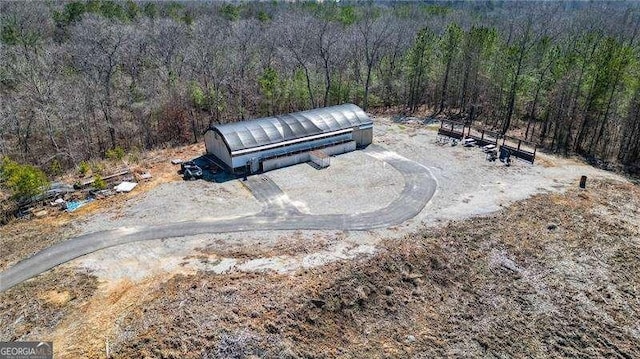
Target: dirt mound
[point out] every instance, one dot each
(553, 275)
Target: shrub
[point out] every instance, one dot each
(134, 156)
(55, 168)
(99, 183)
(84, 168)
(23, 181)
(230, 12)
(97, 168)
(115, 153)
(198, 98)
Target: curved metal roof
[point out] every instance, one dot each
(270, 130)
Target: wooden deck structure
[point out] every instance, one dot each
(484, 137)
(453, 129)
(519, 148)
(524, 150)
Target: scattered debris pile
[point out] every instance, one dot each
(63, 196)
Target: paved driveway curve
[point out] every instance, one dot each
(419, 187)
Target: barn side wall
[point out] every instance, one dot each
(215, 146)
(240, 161)
(284, 161)
(363, 136)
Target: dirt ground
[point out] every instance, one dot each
(555, 274)
(355, 182)
(22, 239)
(32, 309)
(25, 237)
(177, 201)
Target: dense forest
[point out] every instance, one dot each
(79, 79)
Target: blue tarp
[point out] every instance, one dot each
(73, 205)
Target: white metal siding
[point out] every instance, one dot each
(285, 161)
(363, 136)
(215, 146)
(240, 161)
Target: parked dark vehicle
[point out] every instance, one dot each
(190, 170)
(185, 164)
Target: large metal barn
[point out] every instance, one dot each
(273, 142)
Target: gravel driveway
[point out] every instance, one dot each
(419, 187)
